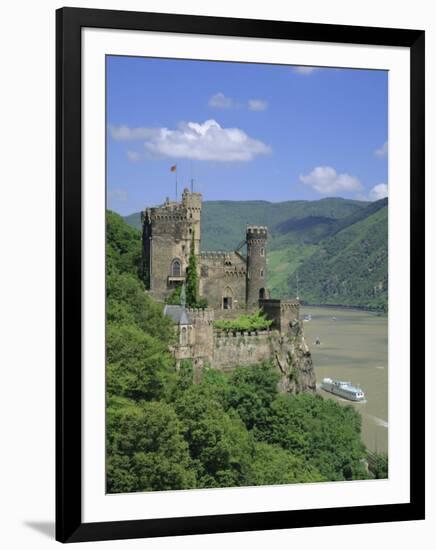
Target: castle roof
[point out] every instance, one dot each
(178, 314)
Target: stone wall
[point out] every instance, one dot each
(289, 353)
(281, 312)
(167, 235)
(230, 351)
(222, 274)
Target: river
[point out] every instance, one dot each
(354, 347)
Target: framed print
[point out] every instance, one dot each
(240, 269)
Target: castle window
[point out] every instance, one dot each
(176, 268)
(183, 337)
(227, 302)
(261, 272)
(262, 251)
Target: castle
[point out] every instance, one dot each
(232, 284)
(228, 280)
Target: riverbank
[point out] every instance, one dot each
(354, 347)
(345, 307)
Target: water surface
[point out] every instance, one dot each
(354, 347)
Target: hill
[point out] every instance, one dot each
(351, 266)
(338, 246)
(223, 222)
(165, 432)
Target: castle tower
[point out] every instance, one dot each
(256, 238)
(191, 203)
(167, 233)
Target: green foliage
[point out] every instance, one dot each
(338, 246)
(146, 448)
(127, 301)
(251, 393)
(174, 297)
(123, 246)
(244, 323)
(324, 433)
(192, 277)
(350, 268)
(220, 446)
(201, 303)
(165, 433)
(224, 222)
(274, 465)
(138, 364)
(379, 465)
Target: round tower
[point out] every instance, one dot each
(256, 238)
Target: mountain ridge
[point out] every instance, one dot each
(320, 239)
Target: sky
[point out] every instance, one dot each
(243, 131)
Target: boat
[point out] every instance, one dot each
(343, 389)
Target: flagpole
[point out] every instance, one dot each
(174, 169)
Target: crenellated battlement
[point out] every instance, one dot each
(281, 312)
(197, 315)
(257, 232)
(213, 254)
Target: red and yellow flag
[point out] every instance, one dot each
(173, 168)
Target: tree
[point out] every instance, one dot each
(192, 277)
(139, 365)
(322, 432)
(273, 465)
(220, 446)
(379, 467)
(146, 448)
(251, 392)
(123, 251)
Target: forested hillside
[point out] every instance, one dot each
(349, 268)
(349, 236)
(165, 433)
(223, 222)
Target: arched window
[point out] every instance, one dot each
(261, 272)
(262, 294)
(176, 268)
(228, 298)
(262, 251)
(183, 337)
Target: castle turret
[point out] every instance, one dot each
(191, 203)
(167, 235)
(256, 238)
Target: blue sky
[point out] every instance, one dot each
(243, 131)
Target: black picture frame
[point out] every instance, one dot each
(69, 525)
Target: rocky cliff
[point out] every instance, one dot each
(292, 357)
(288, 352)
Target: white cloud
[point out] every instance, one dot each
(257, 105)
(206, 141)
(378, 192)
(382, 151)
(305, 70)
(133, 156)
(118, 195)
(325, 180)
(220, 101)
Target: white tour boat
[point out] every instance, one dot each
(343, 389)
